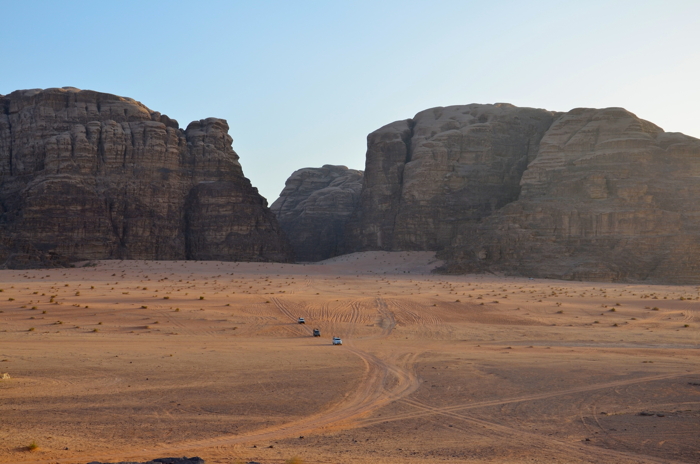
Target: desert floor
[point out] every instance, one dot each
(133, 360)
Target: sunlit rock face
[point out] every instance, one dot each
(608, 197)
(314, 208)
(89, 175)
(436, 175)
(591, 194)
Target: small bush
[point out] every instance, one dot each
(144, 307)
(166, 297)
(201, 297)
(32, 446)
(655, 308)
(32, 329)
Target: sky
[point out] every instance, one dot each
(302, 83)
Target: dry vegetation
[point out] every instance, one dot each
(125, 360)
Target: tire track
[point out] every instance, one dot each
(533, 397)
(526, 438)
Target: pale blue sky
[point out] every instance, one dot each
(303, 83)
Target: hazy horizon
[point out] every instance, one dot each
(302, 84)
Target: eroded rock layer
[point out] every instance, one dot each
(436, 175)
(88, 175)
(592, 194)
(314, 207)
(608, 197)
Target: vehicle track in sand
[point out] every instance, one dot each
(531, 439)
(518, 399)
(383, 382)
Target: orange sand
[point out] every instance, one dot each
(133, 360)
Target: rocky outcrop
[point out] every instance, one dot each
(88, 175)
(183, 460)
(440, 173)
(314, 207)
(592, 194)
(609, 197)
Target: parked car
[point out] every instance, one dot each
(337, 341)
(317, 333)
(301, 320)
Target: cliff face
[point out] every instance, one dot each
(430, 177)
(88, 175)
(589, 194)
(608, 197)
(314, 207)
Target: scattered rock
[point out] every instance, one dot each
(644, 413)
(4, 376)
(182, 460)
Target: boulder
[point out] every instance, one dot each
(183, 460)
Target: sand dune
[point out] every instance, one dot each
(131, 360)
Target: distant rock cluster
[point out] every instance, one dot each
(88, 175)
(591, 194)
(314, 208)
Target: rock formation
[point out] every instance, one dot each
(88, 175)
(183, 460)
(314, 207)
(589, 194)
(609, 197)
(429, 177)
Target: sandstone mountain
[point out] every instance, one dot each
(314, 207)
(609, 197)
(591, 194)
(433, 176)
(88, 175)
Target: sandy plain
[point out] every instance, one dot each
(134, 360)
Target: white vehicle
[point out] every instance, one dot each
(301, 321)
(337, 341)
